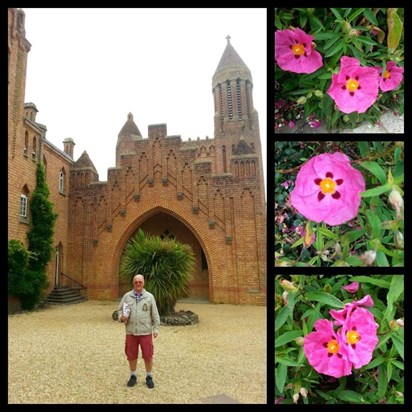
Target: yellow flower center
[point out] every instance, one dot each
(333, 346)
(352, 85)
(327, 186)
(298, 49)
(387, 75)
(352, 337)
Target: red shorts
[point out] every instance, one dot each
(132, 347)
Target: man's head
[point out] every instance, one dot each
(138, 283)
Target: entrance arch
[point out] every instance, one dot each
(165, 225)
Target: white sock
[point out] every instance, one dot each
(133, 373)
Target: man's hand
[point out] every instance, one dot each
(154, 334)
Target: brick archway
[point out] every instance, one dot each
(166, 225)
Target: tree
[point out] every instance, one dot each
(40, 247)
(167, 266)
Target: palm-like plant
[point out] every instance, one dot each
(167, 266)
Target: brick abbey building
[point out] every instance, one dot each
(208, 193)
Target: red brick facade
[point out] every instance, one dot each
(208, 193)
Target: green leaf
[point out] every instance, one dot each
(281, 373)
(285, 361)
(355, 14)
(382, 381)
(287, 337)
(358, 54)
(381, 259)
(325, 298)
(371, 17)
(363, 149)
(354, 235)
(354, 261)
(399, 345)
(335, 49)
(281, 318)
(325, 76)
(376, 170)
(336, 13)
(366, 40)
(375, 223)
(367, 279)
(376, 191)
(298, 242)
(398, 364)
(324, 36)
(331, 42)
(395, 290)
(327, 233)
(376, 362)
(350, 396)
(315, 22)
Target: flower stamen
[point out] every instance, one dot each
(333, 346)
(298, 49)
(352, 337)
(352, 85)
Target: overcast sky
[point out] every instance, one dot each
(88, 68)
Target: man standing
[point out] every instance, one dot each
(138, 311)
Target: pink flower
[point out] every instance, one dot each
(352, 287)
(326, 350)
(294, 53)
(354, 88)
(327, 189)
(358, 331)
(391, 78)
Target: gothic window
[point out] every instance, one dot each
(224, 159)
(23, 205)
(221, 101)
(62, 177)
(33, 154)
(26, 143)
(239, 104)
(229, 100)
(167, 235)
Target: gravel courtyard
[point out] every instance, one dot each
(75, 354)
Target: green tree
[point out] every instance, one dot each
(167, 266)
(27, 268)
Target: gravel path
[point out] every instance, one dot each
(75, 354)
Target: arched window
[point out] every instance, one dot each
(33, 154)
(26, 143)
(62, 176)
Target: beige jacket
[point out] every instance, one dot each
(144, 317)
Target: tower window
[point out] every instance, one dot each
(239, 103)
(221, 101)
(229, 101)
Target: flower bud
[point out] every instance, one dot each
(346, 118)
(398, 238)
(300, 340)
(400, 322)
(287, 285)
(285, 298)
(318, 93)
(295, 397)
(396, 200)
(368, 257)
(394, 325)
(304, 392)
(327, 288)
(398, 394)
(301, 100)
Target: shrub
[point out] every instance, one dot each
(166, 265)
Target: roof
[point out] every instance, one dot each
(231, 66)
